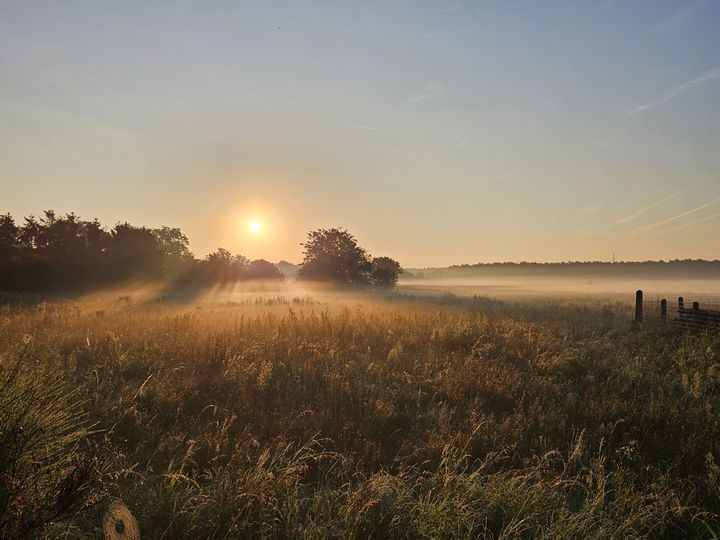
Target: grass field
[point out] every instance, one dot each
(321, 416)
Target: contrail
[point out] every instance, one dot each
(637, 213)
(370, 128)
(431, 91)
(678, 16)
(657, 224)
(709, 75)
(696, 222)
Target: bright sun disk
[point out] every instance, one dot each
(255, 226)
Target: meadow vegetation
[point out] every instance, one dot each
(324, 416)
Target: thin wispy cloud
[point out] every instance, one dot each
(709, 75)
(460, 144)
(371, 128)
(666, 221)
(431, 91)
(678, 16)
(696, 222)
(637, 213)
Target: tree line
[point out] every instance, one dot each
(56, 253)
(670, 269)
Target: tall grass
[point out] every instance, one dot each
(451, 418)
(45, 473)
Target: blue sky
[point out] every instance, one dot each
(437, 132)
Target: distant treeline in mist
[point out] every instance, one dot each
(686, 268)
(66, 253)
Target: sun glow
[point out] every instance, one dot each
(255, 226)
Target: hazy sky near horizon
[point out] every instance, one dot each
(436, 132)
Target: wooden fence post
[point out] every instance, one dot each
(639, 306)
(663, 310)
(681, 303)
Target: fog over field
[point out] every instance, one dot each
(562, 286)
(697, 279)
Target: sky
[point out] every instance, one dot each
(436, 132)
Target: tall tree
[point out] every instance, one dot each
(96, 239)
(262, 269)
(334, 255)
(385, 272)
(9, 239)
(61, 238)
(30, 234)
(221, 265)
(134, 253)
(175, 249)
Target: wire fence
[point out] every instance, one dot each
(701, 312)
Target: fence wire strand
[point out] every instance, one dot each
(700, 312)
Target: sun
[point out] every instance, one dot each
(255, 226)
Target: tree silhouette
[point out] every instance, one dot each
(96, 239)
(385, 272)
(56, 253)
(133, 253)
(29, 234)
(262, 269)
(9, 239)
(223, 266)
(333, 255)
(175, 249)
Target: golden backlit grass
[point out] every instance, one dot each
(348, 417)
